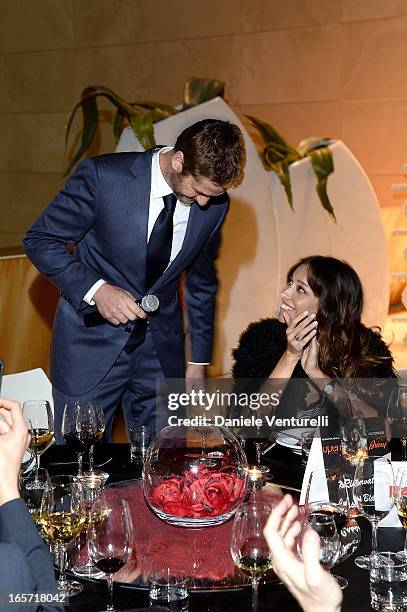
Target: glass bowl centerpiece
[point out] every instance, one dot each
(194, 476)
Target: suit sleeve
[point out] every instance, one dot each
(27, 568)
(65, 221)
(200, 292)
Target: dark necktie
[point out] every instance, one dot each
(158, 255)
(160, 242)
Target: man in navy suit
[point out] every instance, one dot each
(25, 562)
(132, 236)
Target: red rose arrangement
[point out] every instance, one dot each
(199, 493)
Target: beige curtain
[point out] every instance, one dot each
(27, 307)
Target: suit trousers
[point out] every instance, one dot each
(132, 380)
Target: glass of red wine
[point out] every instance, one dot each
(327, 495)
(110, 538)
(79, 428)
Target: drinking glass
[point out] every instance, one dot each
(92, 484)
(373, 487)
(388, 582)
(100, 428)
(63, 520)
(110, 536)
(32, 494)
(249, 548)
(397, 416)
(40, 421)
(79, 428)
(330, 545)
(400, 501)
(327, 494)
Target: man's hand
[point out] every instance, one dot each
(14, 441)
(117, 305)
(194, 377)
(313, 587)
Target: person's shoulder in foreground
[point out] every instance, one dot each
(25, 563)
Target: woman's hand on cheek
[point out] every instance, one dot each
(300, 331)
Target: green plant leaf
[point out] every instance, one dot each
(166, 109)
(90, 116)
(311, 143)
(269, 134)
(283, 173)
(118, 124)
(323, 165)
(142, 126)
(197, 91)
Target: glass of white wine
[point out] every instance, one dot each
(41, 419)
(249, 548)
(63, 519)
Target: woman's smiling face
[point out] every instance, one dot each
(297, 296)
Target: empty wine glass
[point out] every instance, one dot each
(100, 428)
(249, 548)
(63, 520)
(110, 536)
(92, 485)
(79, 428)
(330, 546)
(373, 487)
(327, 494)
(40, 421)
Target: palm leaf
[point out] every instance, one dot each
(197, 91)
(165, 109)
(311, 143)
(323, 165)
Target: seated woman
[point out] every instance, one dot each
(319, 339)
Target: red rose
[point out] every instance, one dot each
(170, 490)
(217, 495)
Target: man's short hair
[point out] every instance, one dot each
(215, 150)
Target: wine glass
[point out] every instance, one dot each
(249, 548)
(330, 546)
(327, 494)
(63, 520)
(373, 487)
(400, 500)
(397, 416)
(110, 537)
(40, 421)
(79, 428)
(32, 494)
(100, 428)
(92, 485)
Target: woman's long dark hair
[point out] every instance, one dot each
(344, 342)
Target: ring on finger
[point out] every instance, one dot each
(297, 337)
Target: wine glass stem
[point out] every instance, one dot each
(80, 457)
(110, 606)
(404, 449)
(374, 538)
(255, 594)
(37, 464)
(91, 458)
(405, 545)
(258, 453)
(62, 565)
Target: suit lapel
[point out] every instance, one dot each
(138, 201)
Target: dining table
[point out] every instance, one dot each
(286, 468)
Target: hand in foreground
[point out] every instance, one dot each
(313, 587)
(117, 305)
(301, 330)
(309, 360)
(14, 440)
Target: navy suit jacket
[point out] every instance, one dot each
(103, 209)
(25, 563)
